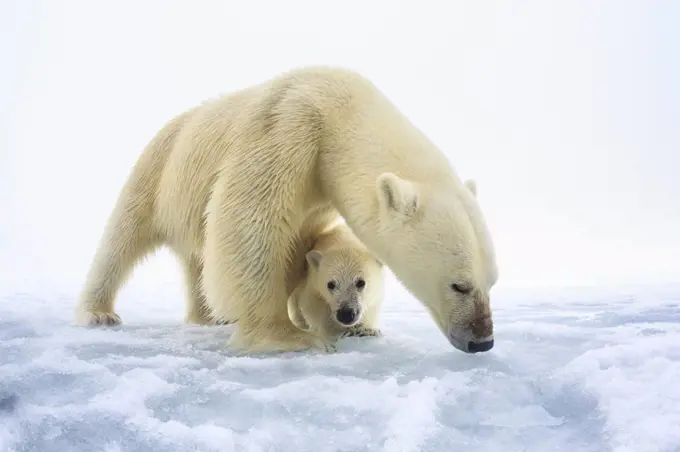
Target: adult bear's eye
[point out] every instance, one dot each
(331, 285)
(360, 283)
(461, 288)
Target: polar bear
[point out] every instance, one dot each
(342, 291)
(237, 184)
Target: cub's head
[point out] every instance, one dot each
(437, 244)
(347, 279)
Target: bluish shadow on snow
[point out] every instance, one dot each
(562, 377)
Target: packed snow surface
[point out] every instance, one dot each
(571, 371)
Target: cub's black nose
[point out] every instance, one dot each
(346, 315)
(475, 347)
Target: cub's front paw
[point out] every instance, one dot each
(323, 344)
(361, 331)
(330, 348)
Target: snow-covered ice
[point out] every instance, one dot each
(571, 371)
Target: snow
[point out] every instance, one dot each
(571, 371)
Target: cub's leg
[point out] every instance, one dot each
(295, 314)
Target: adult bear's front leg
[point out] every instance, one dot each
(246, 257)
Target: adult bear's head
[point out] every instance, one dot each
(442, 252)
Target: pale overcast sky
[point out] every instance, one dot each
(566, 113)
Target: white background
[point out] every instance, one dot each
(566, 113)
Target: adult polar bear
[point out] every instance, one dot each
(239, 185)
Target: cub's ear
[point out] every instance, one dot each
(472, 186)
(314, 258)
(397, 195)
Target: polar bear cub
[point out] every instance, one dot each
(342, 292)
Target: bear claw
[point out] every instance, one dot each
(362, 331)
(330, 348)
(90, 318)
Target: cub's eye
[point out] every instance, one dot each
(461, 288)
(331, 285)
(360, 283)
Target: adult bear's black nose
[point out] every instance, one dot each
(478, 347)
(346, 315)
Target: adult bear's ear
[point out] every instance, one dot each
(472, 186)
(314, 258)
(397, 195)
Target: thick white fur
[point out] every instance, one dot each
(338, 256)
(237, 186)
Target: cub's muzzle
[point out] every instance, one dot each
(348, 314)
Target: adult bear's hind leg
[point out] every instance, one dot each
(127, 238)
(197, 310)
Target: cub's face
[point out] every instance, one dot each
(343, 278)
(439, 248)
